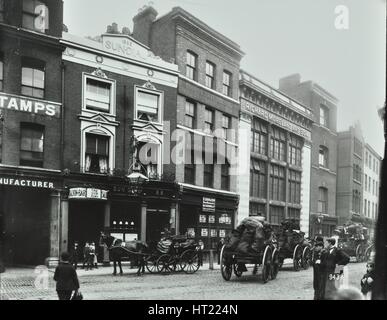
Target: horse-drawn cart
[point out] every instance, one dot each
(353, 240)
(292, 244)
(250, 244)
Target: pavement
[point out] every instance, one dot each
(99, 284)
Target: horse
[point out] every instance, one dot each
(134, 250)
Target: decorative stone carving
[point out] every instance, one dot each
(99, 73)
(149, 85)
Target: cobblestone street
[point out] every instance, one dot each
(204, 285)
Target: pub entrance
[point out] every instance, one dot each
(86, 221)
(157, 221)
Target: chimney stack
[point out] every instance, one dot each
(142, 24)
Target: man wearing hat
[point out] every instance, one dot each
(334, 258)
(318, 262)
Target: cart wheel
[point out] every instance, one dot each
(297, 258)
(275, 264)
(225, 265)
(151, 264)
(368, 253)
(237, 272)
(266, 265)
(306, 258)
(163, 263)
(360, 256)
(189, 261)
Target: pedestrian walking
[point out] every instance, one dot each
(367, 281)
(219, 248)
(200, 252)
(74, 255)
(94, 255)
(90, 261)
(66, 278)
(86, 252)
(335, 260)
(318, 262)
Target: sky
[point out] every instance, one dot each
(282, 37)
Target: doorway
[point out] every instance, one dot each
(157, 220)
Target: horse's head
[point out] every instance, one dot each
(106, 239)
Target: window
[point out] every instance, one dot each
(189, 168)
(210, 75)
(369, 209)
(323, 156)
(1, 68)
(191, 65)
(356, 201)
(370, 161)
(357, 173)
(225, 179)
(259, 138)
(375, 165)
(295, 147)
(35, 15)
(369, 184)
(366, 158)
(365, 208)
(376, 189)
(373, 210)
(366, 182)
(31, 144)
(32, 78)
(324, 116)
(294, 187)
(149, 158)
(322, 204)
(373, 186)
(357, 147)
(278, 144)
(98, 95)
(225, 126)
(208, 120)
(258, 179)
(190, 111)
(226, 83)
(97, 153)
(148, 106)
(294, 214)
(1, 10)
(209, 175)
(257, 209)
(277, 183)
(277, 215)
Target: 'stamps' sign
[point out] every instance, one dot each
(88, 193)
(209, 204)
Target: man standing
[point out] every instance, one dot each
(335, 259)
(319, 276)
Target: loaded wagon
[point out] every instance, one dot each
(250, 244)
(353, 240)
(291, 244)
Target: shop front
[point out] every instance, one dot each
(206, 216)
(29, 209)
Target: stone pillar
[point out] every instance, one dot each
(53, 258)
(106, 259)
(143, 221)
(64, 239)
(305, 188)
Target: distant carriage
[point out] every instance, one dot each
(251, 243)
(292, 244)
(353, 240)
(175, 253)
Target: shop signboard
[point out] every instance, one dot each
(88, 193)
(25, 182)
(204, 233)
(209, 204)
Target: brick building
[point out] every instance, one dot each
(372, 164)
(117, 96)
(350, 178)
(323, 104)
(30, 129)
(207, 113)
(274, 176)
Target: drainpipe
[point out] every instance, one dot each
(63, 67)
